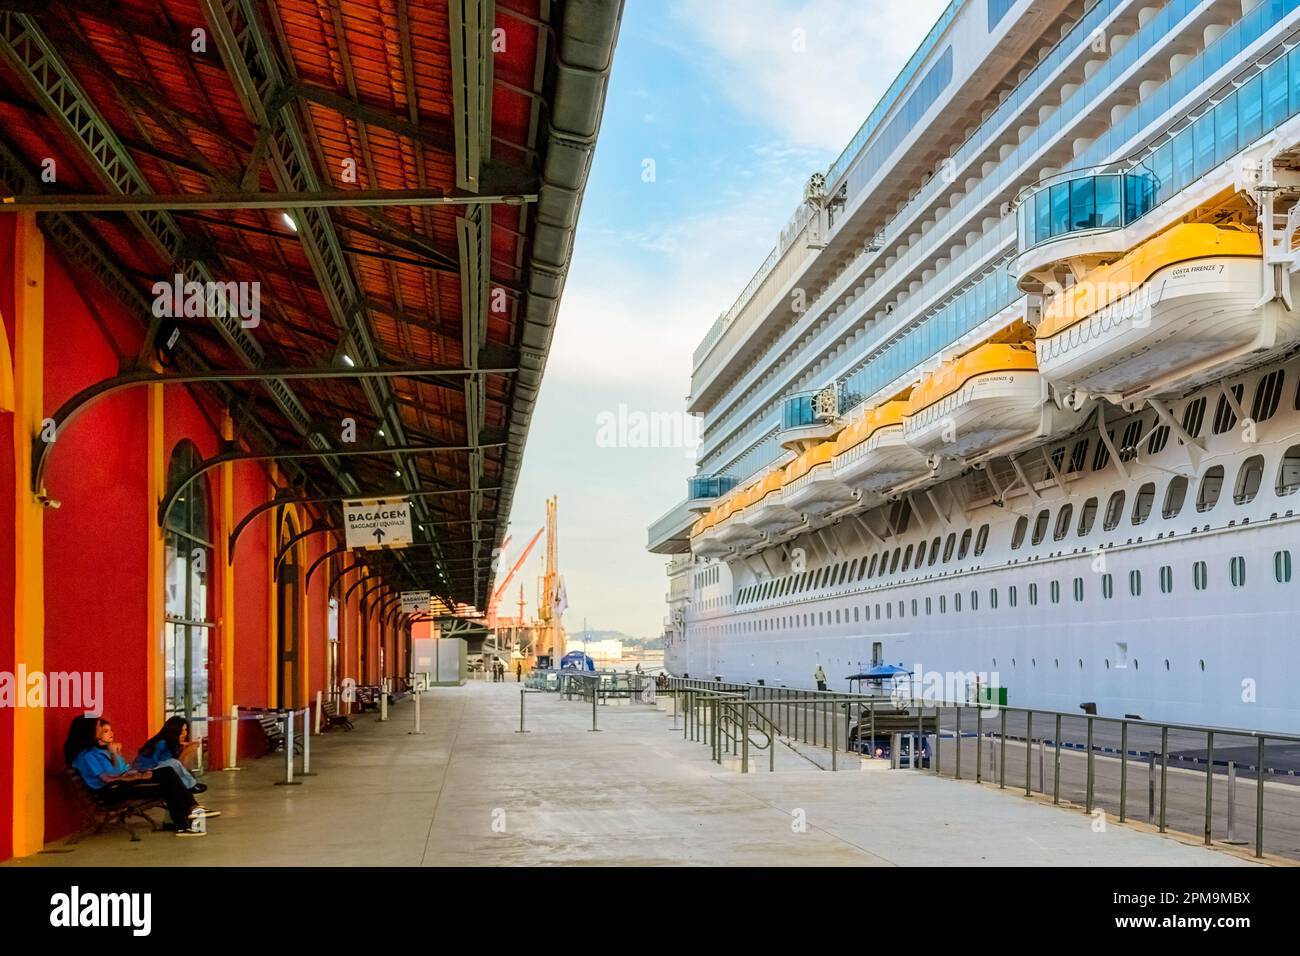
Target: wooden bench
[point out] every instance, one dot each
(331, 718)
(367, 697)
(95, 814)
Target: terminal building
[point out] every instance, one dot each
(258, 260)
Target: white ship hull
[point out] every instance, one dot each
(1175, 654)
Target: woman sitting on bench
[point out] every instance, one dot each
(169, 748)
(97, 757)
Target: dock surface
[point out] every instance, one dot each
(470, 791)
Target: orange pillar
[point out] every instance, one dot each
(29, 544)
(225, 678)
(155, 483)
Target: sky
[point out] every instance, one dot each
(717, 113)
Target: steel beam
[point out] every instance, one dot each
(318, 199)
(165, 506)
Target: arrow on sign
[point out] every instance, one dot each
(379, 535)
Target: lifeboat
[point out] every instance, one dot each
(989, 398)
(811, 486)
(769, 513)
(704, 537)
(872, 456)
(1180, 309)
(738, 530)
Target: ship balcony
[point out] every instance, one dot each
(808, 419)
(703, 490)
(1075, 221)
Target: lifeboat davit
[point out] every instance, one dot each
(1180, 309)
(872, 456)
(984, 400)
(769, 513)
(737, 530)
(811, 486)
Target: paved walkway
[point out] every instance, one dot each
(470, 791)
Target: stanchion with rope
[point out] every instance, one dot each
(288, 780)
(306, 741)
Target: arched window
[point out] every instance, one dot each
(187, 542)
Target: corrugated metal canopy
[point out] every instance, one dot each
(473, 98)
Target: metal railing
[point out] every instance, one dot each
(1200, 780)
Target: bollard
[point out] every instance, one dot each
(979, 743)
(594, 728)
(677, 695)
(1209, 786)
(1056, 761)
(417, 731)
(318, 711)
(383, 699)
(232, 735)
(288, 780)
(306, 746)
(895, 751)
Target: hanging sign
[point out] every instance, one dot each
(378, 523)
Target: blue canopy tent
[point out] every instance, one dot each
(577, 661)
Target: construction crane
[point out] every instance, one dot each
(499, 592)
(551, 602)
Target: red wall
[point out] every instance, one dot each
(97, 542)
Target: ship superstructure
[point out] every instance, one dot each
(1016, 394)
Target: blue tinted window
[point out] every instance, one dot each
(997, 10)
(1082, 204)
(1225, 129)
(1275, 94)
(1043, 214)
(1203, 130)
(1060, 209)
(1250, 110)
(1108, 201)
(1184, 160)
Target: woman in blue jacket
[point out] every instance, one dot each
(168, 748)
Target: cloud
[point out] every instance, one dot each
(811, 69)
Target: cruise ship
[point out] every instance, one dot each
(1017, 392)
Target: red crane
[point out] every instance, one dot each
(500, 590)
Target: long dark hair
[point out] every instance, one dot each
(81, 737)
(170, 735)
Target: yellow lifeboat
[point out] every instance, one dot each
(984, 400)
(1182, 308)
(811, 486)
(872, 456)
(704, 535)
(738, 530)
(769, 513)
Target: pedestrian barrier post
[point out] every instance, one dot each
(232, 735)
(288, 780)
(417, 731)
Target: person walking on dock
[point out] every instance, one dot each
(519, 671)
(820, 678)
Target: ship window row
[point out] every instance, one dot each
(899, 560)
(889, 610)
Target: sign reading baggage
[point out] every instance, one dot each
(416, 602)
(378, 523)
